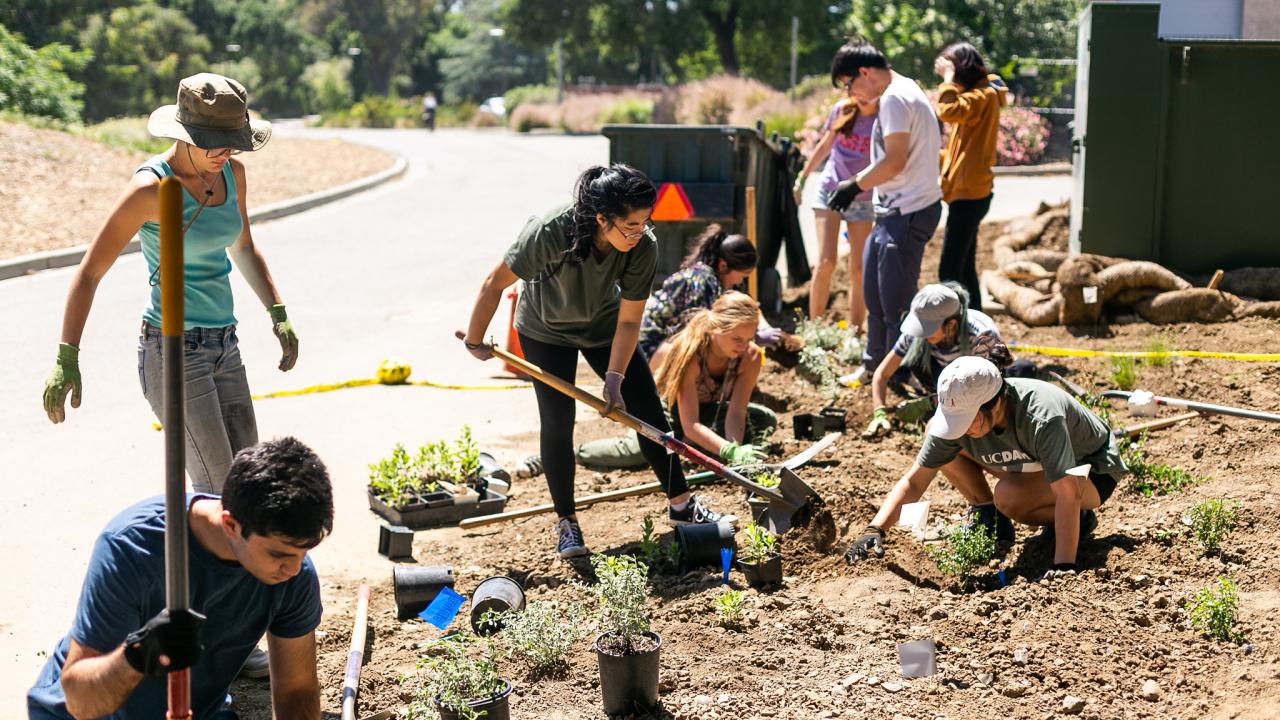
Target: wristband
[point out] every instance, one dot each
(873, 529)
(473, 346)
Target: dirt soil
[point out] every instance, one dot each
(824, 644)
(91, 177)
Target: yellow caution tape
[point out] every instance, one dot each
(1140, 354)
(374, 381)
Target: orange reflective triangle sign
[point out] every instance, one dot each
(672, 203)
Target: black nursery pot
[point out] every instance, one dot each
(629, 683)
(499, 594)
(491, 708)
(416, 587)
(700, 544)
(763, 574)
(758, 505)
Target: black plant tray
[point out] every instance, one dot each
(435, 514)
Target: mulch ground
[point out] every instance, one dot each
(824, 644)
(56, 189)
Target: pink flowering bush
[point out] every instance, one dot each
(1023, 136)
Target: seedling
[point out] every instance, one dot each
(1151, 478)
(455, 679)
(760, 544)
(1213, 610)
(767, 478)
(541, 634)
(397, 478)
(963, 551)
(1098, 405)
(1210, 522)
(1124, 372)
(1159, 344)
(648, 549)
(815, 367)
(621, 590)
(730, 605)
(394, 479)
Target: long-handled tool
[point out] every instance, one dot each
(790, 463)
(789, 504)
(1079, 392)
(1201, 407)
(355, 656)
(177, 596)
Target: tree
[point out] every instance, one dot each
(474, 63)
(140, 53)
(384, 30)
(268, 33)
(35, 82)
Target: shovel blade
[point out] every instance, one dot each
(782, 515)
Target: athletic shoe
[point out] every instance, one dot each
(529, 467)
(992, 519)
(570, 543)
(697, 512)
(1088, 523)
(256, 667)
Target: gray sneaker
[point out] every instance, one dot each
(257, 666)
(697, 512)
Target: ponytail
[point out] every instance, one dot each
(731, 310)
(714, 245)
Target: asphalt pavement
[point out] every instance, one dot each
(390, 272)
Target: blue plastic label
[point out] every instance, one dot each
(726, 559)
(1001, 578)
(443, 609)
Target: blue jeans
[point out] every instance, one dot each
(219, 412)
(890, 271)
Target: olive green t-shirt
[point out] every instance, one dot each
(574, 305)
(1048, 430)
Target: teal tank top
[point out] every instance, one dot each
(206, 266)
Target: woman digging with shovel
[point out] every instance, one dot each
(1054, 461)
(588, 267)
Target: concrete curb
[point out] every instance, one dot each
(1061, 168)
(62, 257)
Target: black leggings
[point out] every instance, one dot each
(557, 410)
(960, 246)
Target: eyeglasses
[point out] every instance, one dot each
(847, 85)
(648, 228)
(221, 152)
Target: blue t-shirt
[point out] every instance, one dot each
(124, 588)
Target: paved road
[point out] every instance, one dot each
(389, 272)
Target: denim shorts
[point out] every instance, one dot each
(858, 210)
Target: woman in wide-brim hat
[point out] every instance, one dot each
(209, 124)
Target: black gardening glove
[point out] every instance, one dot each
(172, 635)
(845, 192)
(871, 542)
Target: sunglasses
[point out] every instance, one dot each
(221, 152)
(648, 228)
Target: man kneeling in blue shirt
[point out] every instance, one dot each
(249, 574)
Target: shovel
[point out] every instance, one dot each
(789, 504)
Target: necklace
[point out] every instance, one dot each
(208, 195)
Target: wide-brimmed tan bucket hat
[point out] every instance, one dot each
(212, 112)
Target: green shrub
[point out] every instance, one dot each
(128, 134)
(1211, 521)
(628, 111)
(1148, 479)
(530, 116)
(1124, 372)
(621, 589)
(963, 551)
(729, 606)
(329, 84)
(760, 544)
(380, 111)
(1213, 610)
(456, 115)
(714, 108)
(787, 123)
(540, 634)
(398, 477)
(455, 679)
(36, 82)
(538, 94)
(1159, 344)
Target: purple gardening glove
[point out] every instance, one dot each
(769, 336)
(613, 392)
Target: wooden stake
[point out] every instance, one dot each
(753, 281)
(1217, 278)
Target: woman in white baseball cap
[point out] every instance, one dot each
(1054, 461)
(939, 328)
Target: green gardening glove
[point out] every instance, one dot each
(64, 379)
(283, 329)
(915, 410)
(879, 424)
(737, 454)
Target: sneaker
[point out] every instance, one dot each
(696, 512)
(1088, 523)
(257, 666)
(529, 467)
(570, 543)
(995, 521)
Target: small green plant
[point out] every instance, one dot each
(815, 366)
(730, 605)
(621, 591)
(392, 479)
(1098, 405)
(1210, 522)
(1150, 479)
(540, 634)
(1213, 610)
(767, 478)
(1159, 344)
(1124, 372)
(465, 459)
(397, 478)
(760, 544)
(963, 551)
(455, 678)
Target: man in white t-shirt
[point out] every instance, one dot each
(905, 147)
